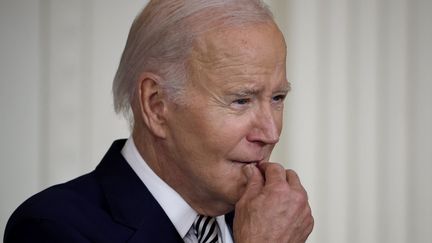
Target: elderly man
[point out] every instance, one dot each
(202, 84)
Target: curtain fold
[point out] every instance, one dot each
(358, 122)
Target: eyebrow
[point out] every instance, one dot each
(287, 87)
(247, 92)
(251, 91)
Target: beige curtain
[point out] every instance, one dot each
(358, 124)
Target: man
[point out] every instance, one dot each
(202, 83)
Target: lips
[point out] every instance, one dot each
(248, 158)
(247, 161)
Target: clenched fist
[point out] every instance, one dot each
(274, 207)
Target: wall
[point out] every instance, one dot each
(19, 95)
(57, 64)
(357, 122)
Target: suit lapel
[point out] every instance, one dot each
(130, 202)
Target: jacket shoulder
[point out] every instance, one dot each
(72, 210)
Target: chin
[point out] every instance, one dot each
(238, 190)
(231, 183)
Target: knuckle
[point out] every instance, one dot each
(292, 172)
(309, 219)
(310, 225)
(281, 190)
(275, 168)
(312, 221)
(300, 197)
(280, 187)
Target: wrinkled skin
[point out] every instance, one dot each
(213, 146)
(274, 207)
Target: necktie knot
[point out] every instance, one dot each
(206, 229)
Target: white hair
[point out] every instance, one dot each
(161, 38)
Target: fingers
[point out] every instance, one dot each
(273, 172)
(255, 181)
(274, 206)
(268, 174)
(293, 179)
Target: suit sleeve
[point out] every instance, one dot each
(42, 230)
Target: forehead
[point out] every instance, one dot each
(231, 55)
(261, 42)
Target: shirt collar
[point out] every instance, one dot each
(181, 214)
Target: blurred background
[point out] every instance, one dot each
(357, 128)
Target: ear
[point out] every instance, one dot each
(152, 104)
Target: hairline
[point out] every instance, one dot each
(177, 69)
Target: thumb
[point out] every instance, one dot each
(255, 182)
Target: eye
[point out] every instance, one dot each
(278, 98)
(243, 101)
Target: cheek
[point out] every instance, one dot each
(205, 135)
(279, 120)
(230, 130)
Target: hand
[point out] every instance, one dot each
(274, 207)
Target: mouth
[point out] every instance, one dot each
(245, 162)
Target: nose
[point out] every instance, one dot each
(266, 127)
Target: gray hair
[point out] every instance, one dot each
(161, 38)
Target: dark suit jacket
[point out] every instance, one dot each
(110, 204)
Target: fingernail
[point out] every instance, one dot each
(248, 170)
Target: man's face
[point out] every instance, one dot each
(232, 114)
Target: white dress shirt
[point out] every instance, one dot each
(181, 214)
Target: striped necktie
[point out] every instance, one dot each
(206, 229)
